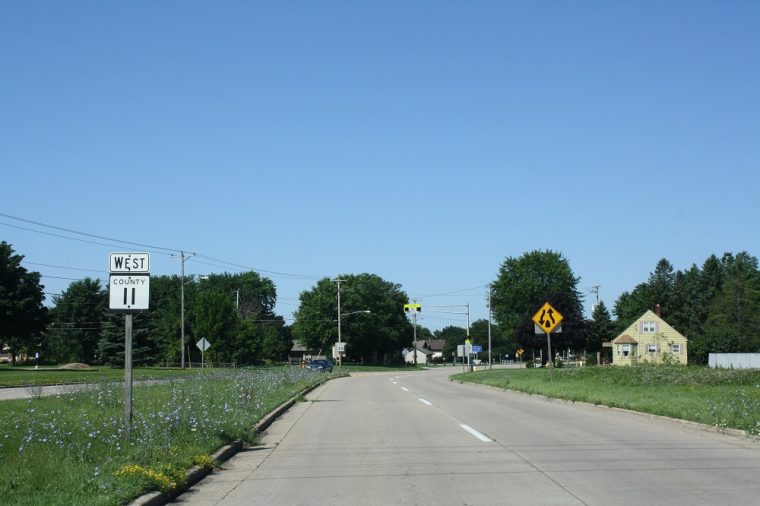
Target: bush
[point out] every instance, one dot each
(529, 364)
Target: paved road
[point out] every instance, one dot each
(7, 394)
(422, 439)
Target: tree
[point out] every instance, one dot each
(258, 342)
(600, 329)
(500, 344)
(213, 317)
(521, 288)
(111, 346)
(454, 336)
(424, 333)
(78, 320)
(22, 313)
(735, 310)
(660, 286)
(657, 290)
(377, 337)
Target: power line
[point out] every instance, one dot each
(40, 224)
(70, 238)
(248, 267)
(155, 249)
(64, 267)
(452, 292)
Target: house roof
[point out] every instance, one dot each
(625, 340)
(298, 346)
(649, 315)
(434, 345)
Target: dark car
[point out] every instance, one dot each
(321, 365)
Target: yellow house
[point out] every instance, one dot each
(648, 339)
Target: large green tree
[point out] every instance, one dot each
(735, 310)
(600, 328)
(377, 337)
(213, 318)
(453, 336)
(22, 313)
(78, 319)
(521, 288)
(500, 344)
(658, 289)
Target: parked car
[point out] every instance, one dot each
(321, 365)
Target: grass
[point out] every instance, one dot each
(26, 376)
(72, 449)
(718, 397)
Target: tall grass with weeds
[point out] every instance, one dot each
(725, 398)
(71, 449)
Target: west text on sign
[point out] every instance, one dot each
(129, 262)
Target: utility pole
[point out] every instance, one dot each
(182, 257)
(489, 326)
(182, 304)
(340, 354)
(415, 335)
(237, 300)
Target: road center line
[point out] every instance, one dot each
(423, 401)
(475, 433)
(404, 389)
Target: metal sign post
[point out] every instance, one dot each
(547, 319)
(203, 345)
(127, 374)
(129, 292)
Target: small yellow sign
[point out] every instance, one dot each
(547, 318)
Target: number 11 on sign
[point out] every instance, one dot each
(134, 292)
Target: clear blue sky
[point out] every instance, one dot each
(423, 141)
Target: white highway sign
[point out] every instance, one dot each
(129, 293)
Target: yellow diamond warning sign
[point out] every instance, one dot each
(547, 318)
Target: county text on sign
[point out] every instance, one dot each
(129, 292)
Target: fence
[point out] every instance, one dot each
(734, 360)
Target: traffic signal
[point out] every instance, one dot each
(412, 307)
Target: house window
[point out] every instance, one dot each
(651, 348)
(676, 348)
(648, 328)
(626, 349)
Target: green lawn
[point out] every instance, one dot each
(721, 398)
(72, 449)
(26, 376)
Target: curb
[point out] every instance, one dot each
(196, 474)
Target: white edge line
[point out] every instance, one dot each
(475, 433)
(404, 389)
(423, 401)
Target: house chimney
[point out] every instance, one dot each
(658, 310)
